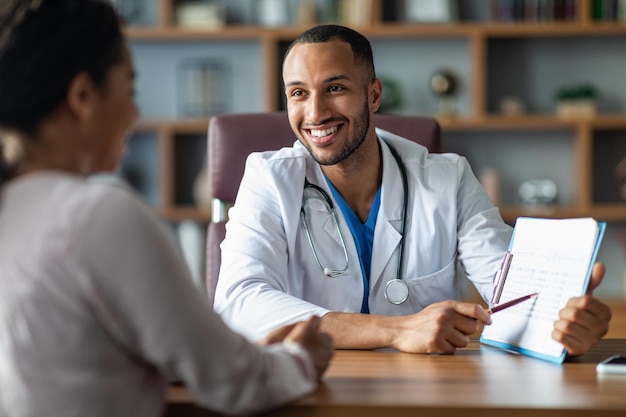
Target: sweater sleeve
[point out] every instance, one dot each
(143, 294)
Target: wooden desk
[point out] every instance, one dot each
(476, 381)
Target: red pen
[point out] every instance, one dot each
(511, 303)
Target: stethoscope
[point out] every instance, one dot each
(396, 290)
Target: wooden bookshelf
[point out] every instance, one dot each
(477, 34)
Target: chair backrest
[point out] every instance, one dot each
(232, 137)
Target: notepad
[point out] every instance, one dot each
(554, 258)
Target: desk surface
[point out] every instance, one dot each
(477, 380)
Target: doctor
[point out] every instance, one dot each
(362, 227)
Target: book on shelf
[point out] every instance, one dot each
(420, 11)
(608, 10)
(527, 11)
(430, 11)
(356, 12)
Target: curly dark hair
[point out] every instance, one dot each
(361, 47)
(44, 44)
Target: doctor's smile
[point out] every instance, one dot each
(322, 136)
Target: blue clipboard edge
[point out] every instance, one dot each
(527, 352)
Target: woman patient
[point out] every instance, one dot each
(97, 308)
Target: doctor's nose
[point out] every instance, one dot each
(317, 109)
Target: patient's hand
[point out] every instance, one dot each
(306, 333)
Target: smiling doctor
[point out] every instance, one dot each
(362, 227)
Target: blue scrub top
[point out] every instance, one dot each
(363, 234)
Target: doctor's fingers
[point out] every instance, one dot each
(454, 311)
(591, 321)
(473, 311)
(438, 330)
(597, 275)
(586, 308)
(576, 340)
(579, 329)
(451, 323)
(446, 341)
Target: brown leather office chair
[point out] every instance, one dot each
(232, 137)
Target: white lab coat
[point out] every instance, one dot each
(268, 273)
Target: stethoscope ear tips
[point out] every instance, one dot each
(328, 272)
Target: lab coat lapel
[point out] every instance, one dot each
(316, 176)
(387, 233)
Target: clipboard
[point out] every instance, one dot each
(554, 258)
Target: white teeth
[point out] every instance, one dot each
(321, 133)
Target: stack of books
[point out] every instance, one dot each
(608, 11)
(534, 11)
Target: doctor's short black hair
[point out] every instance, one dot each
(44, 45)
(361, 47)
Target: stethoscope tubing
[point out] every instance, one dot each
(405, 187)
(391, 290)
(329, 272)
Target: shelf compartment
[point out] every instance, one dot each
(609, 182)
(519, 156)
(533, 69)
(190, 154)
(160, 67)
(140, 165)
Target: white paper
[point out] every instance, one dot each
(551, 257)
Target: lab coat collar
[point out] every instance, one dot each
(392, 190)
(316, 176)
(387, 233)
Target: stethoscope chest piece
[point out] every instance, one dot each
(396, 291)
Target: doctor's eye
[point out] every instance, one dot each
(296, 93)
(336, 88)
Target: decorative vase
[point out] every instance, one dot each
(202, 192)
(576, 108)
(192, 240)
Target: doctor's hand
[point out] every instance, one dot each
(306, 333)
(440, 328)
(584, 320)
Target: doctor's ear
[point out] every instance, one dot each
(80, 96)
(375, 94)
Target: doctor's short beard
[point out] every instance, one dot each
(362, 123)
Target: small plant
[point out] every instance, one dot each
(576, 101)
(577, 92)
